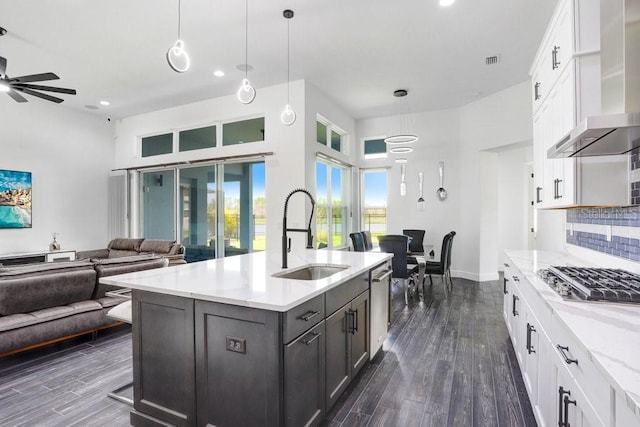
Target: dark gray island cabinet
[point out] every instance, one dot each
(204, 363)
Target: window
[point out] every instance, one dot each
(332, 216)
(196, 139)
(374, 202)
(242, 132)
(157, 144)
(374, 148)
(330, 135)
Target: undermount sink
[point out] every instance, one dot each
(311, 272)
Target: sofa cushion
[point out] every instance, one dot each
(22, 320)
(42, 268)
(157, 246)
(125, 244)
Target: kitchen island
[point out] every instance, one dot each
(228, 342)
(579, 359)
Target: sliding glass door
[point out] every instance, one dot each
(207, 225)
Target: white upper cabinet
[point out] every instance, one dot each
(565, 89)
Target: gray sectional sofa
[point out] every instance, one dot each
(126, 247)
(47, 302)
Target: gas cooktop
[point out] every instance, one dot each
(593, 284)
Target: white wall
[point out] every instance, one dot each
(70, 155)
(499, 120)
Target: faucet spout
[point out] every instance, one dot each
(286, 242)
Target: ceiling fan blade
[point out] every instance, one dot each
(34, 78)
(38, 94)
(3, 66)
(47, 88)
(16, 96)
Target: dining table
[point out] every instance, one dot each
(419, 258)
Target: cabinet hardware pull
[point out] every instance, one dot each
(567, 360)
(506, 265)
(382, 277)
(514, 311)
(558, 191)
(309, 315)
(504, 288)
(536, 91)
(350, 322)
(538, 190)
(530, 328)
(355, 321)
(554, 58)
(567, 402)
(315, 337)
(516, 278)
(562, 416)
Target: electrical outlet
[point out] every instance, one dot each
(237, 345)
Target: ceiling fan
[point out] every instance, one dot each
(13, 85)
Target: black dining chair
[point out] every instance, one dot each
(417, 240)
(368, 243)
(358, 241)
(442, 268)
(397, 245)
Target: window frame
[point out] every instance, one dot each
(346, 204)
(332, 128)
(373, 156)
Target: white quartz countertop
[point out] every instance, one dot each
(609, 331)
(246, 280)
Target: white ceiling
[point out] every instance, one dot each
(356, 51)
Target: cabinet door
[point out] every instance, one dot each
(359, 333)
(338, 347)
(531, 350)
(304, 378)
(572, 405)
(539, 158)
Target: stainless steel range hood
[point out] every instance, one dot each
(617, 130)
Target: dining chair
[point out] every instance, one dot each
(442, 268)
(401, 271)
(368, 243)
(358, 241)
(417, 240)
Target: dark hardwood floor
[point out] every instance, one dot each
(445, 362)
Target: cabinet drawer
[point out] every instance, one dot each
(299, 319)
(576, 360)
(342, 294)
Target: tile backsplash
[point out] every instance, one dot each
(614, 231)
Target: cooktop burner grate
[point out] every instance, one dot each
(596, 284)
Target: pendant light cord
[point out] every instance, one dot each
(179, 17)
(246, 38)
(288, 58)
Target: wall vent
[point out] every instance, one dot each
(492, 60)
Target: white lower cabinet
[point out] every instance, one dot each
(564, 387)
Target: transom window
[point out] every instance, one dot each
(329, 134)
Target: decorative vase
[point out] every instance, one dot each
(54, 246)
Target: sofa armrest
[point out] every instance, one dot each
(94, 253)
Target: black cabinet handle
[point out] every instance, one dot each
(566, 403)
(316, 335)
(351, 322)
(562, 409)
(538, 198)
(514, 311)
(536, 95)
(355, 321)
(554, 58)
(506, 265)
(530, 328)
(558, 189)
(309, 315)
(515, 278)
(566, 358)
(504, 286)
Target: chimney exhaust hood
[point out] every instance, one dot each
(617, 130)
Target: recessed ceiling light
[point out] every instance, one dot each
(244, 67)
(446, 2)
(105, 103)
(398, 150)
(91, 107)
(401, 160)
(218, 73)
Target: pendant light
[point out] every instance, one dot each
(246, 93)
(288, 116)
(401, 123)
(177, 57)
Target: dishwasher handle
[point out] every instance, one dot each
(382, 277)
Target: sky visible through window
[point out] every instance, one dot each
(375, 189)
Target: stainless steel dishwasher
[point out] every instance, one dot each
(380, 306)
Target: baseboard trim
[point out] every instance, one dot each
(485, 277)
